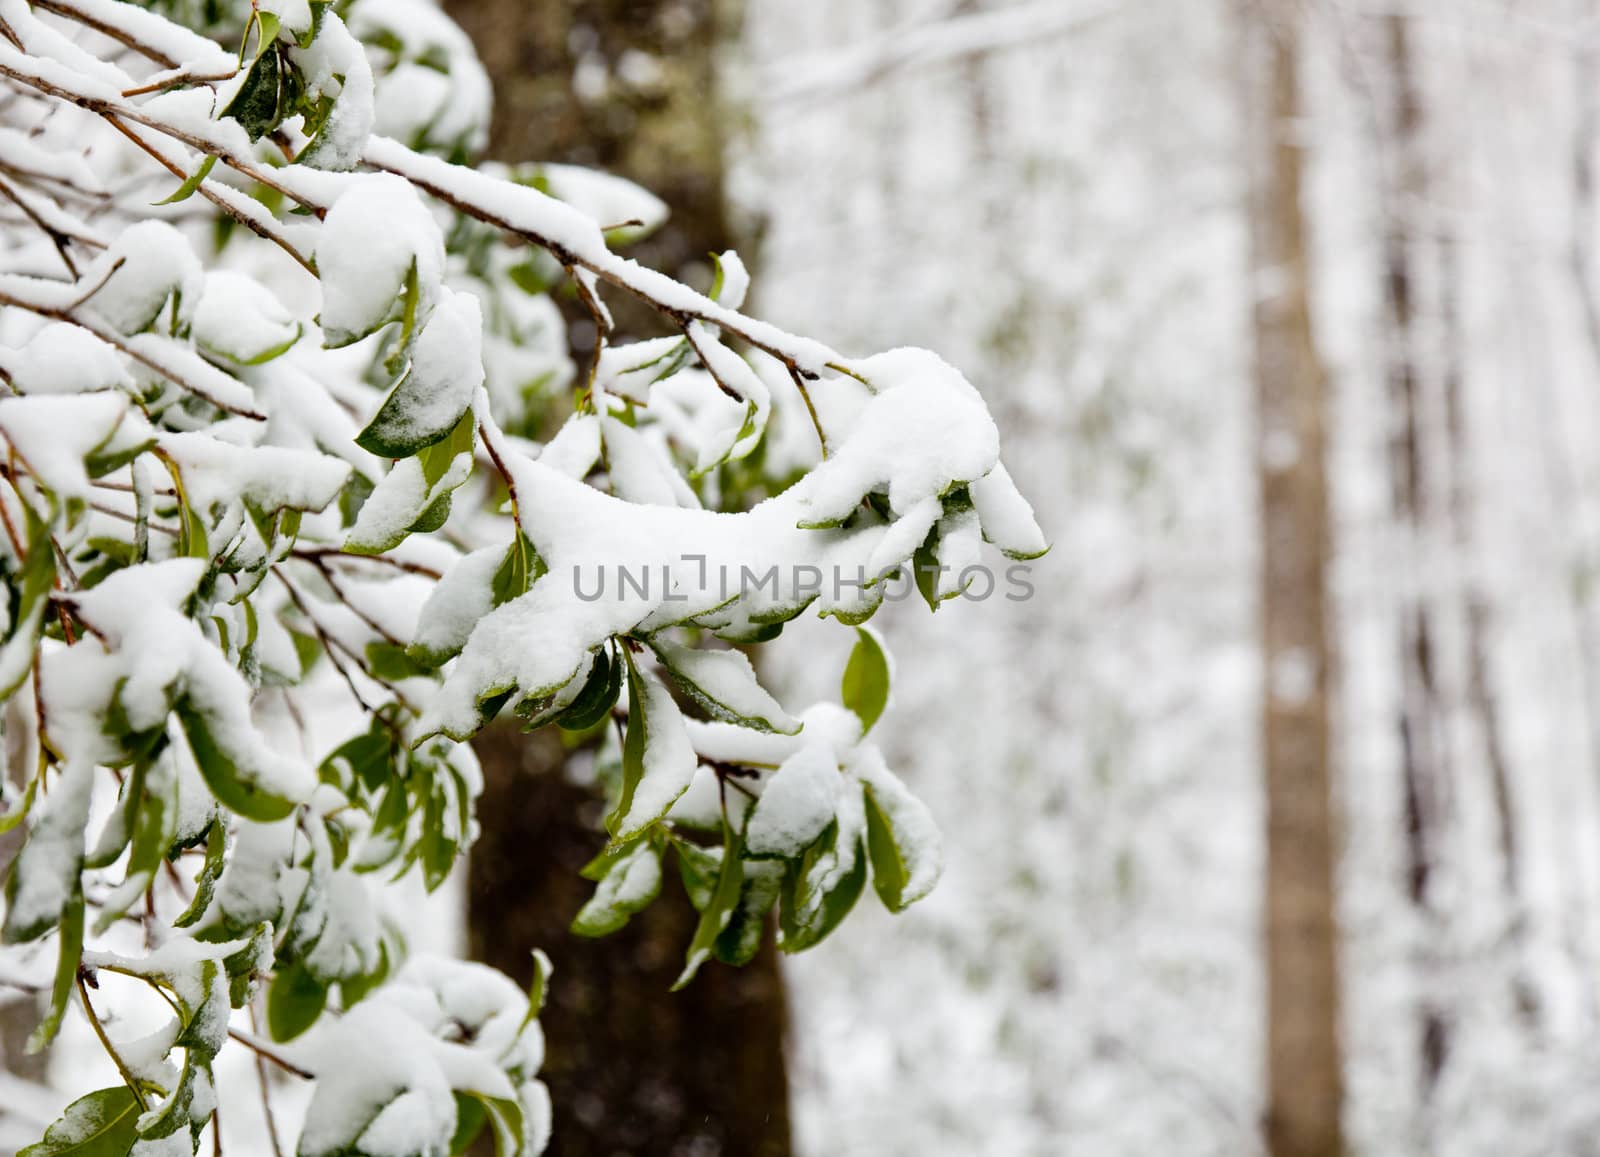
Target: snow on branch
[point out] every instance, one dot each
(283, 522)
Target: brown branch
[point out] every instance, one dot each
(251, 223)
(114, 339)
(114, 31)
(113, 110)
(400, 564)
(261, 1049)
(57, 238)
(728, 320)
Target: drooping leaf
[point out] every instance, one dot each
(471, 1117)
(718, 912)
(699, 868)
(630, 884)
(724, 685)
(814, 902)
(599, 694)
(865, 686)
(236, 790)
(295, 999)
(738, 943)
(444, 368)
(69, 953)
(658, 762)
(205, 883)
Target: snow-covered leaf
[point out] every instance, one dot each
(100, 1124)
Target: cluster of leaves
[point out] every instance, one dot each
(827, 810)
(234, 531)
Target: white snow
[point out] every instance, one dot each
(797, 803)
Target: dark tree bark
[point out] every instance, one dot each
(650, 109)
(632, 1067)
(1304, 1064)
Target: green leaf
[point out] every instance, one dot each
(295, 999)
(403, 308)
(925, 568)
(632, 882)
(192, 183)
(234, 789)
(805, 918)
(181, 1109)
(698, 867)
(258, 103)
(719, 912)
(653, 745)
(723, 684)
(391, 663)
(865, 686)
(506, 1119)
(153, 792)
(354, 989)
(205, 883)
(69, 956)
(539, 986)
(244, 966)
(427, 512)
(890, 873)
(438, 374)
(600, 693)
(521, 567)
(19, 813)
(738, 943)
(369, 760)
(268, 25)
(353, 497)
(436, 850)
(101, 1124)
(471, 1117)
(45, 874)
(34, 583)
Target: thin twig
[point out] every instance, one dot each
(105, 1042)
(487, 435)
(172, 79)
(259, 228)
(339, 592)
(322, 552)
(330, 647)
(57, 238)
(262, 1049)
(266, 1093)
(116, 340)
(113, 110)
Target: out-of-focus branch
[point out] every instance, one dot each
(830, 74)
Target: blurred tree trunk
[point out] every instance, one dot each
(1304, 1077)
(1422, 723)
(628, 86)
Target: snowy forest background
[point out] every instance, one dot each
(1057, 195)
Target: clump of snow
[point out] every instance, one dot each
(375, 234)
(796, 804)
(64, 359)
